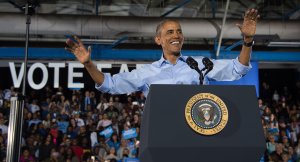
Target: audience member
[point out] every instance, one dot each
(45, 138)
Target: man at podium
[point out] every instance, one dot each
(172, 68)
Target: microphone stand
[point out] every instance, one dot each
(201, 77)
(17, 103)
(194, 65)
(29, 10)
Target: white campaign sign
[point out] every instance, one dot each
(56, 67)
(16, 79)
(44, 78)
(72, 74)
(72, 66)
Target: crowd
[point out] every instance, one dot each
(280, 115)
(78, 126)
(75, 125)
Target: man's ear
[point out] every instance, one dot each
(157, 40)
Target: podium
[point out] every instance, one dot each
(167, 137)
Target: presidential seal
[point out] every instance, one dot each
(206, 114)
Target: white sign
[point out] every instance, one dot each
(18, 77)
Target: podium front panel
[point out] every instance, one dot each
(166, 136)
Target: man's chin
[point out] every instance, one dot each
(176, 53)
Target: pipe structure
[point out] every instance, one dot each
(14, 139)
(53, 26)
(222, 31)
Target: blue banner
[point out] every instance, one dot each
(62, 126)
(251, 78)
(107, 132)
(131, 160)
(130, 133)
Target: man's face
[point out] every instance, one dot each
(170, 38)
(82, 129)
(87, 94)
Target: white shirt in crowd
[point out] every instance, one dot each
(79, 122)
(4, 128)
(104, 123)
(34, 108)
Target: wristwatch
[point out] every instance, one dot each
(249, 44)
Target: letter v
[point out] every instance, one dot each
(16, 79)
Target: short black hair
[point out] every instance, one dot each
(161, 23)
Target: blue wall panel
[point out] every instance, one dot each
(251, 78)
(106, 53)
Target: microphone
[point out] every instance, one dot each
(208, 65)
(194, 65)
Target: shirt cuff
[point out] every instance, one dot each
(104, 87)
(240, 68)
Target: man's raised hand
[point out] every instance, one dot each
(248, 28)
(78, 49)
